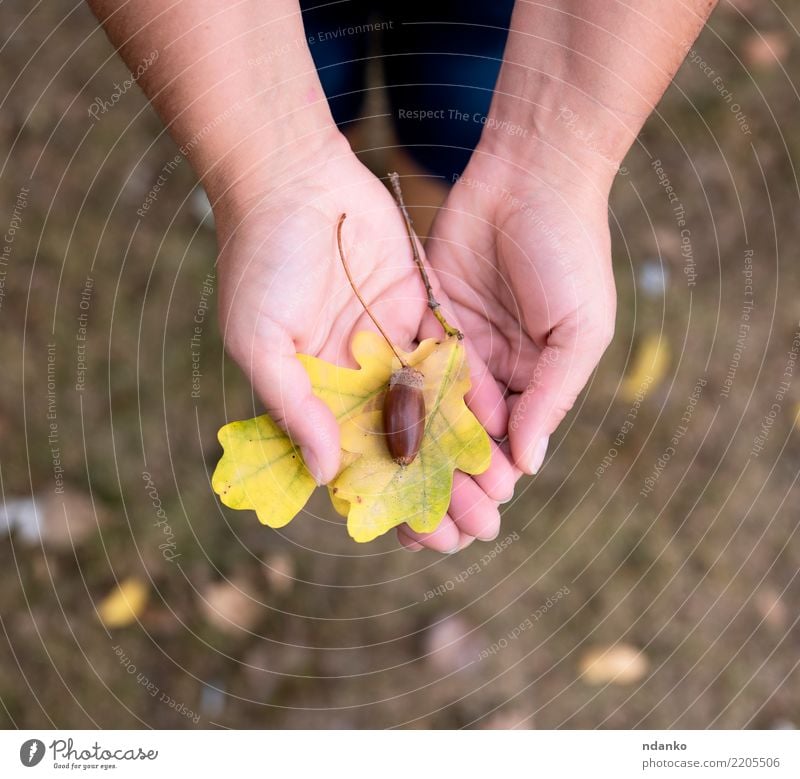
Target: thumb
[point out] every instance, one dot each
(283, 385)
(561, 372)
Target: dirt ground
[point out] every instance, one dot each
(680, 545)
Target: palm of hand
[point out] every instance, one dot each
(528, 273)
(282, 275)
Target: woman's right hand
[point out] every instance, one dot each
(283, 290)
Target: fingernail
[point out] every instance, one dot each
(508, 499)
(539, 452)
(312, 463)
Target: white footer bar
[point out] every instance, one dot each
(402, 754)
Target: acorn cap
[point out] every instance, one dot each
(408, 377)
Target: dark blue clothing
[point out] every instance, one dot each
(440, 63)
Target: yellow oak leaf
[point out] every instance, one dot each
(648, 368)
(261, 470)
(342, 507)
(347, 391)
(383, 494)
(124, 603)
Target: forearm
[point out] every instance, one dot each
(234, 82)
(580, 78)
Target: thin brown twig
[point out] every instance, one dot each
(358, 294)
(433, 304)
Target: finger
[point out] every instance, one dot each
(445, 538)
(466, 540)
(500, 478)
(562, 370)
(284, 387)
(407, 542)
(473, 512)
(413, 546)
(484, 397)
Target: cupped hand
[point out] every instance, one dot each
(283, 290)
(524, 258)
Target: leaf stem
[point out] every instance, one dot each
(433, 304)
(358, 294)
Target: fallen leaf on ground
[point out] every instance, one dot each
(648, 368)
(68, 519)
(766, 49)
(450, 644)
(229, 607)
(771, 608)
(279, 572)
(618, 664)
(261, 469)
(513, 719)
(123, 605)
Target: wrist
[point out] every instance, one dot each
(546, 109)
(267, 133)
(267, 158)
(537, 164)
(555, 133)
(268, 168)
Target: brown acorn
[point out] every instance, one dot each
(404, 415)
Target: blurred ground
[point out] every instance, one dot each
(700, 573)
